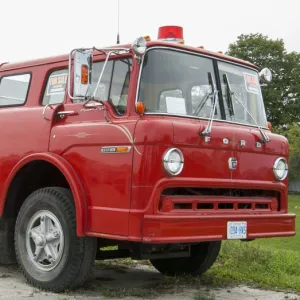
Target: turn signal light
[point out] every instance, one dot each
(167, 204)
(270, 126)
(84, 74)
(274, 205)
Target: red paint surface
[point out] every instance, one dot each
(118, 195)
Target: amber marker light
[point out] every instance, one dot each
(122, 149)
(84, 74)
(140, 107)
(270, 126)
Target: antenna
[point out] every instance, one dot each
(118, 35)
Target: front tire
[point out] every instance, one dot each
(203, 256)
(49, 252)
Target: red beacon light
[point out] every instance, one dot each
(171, 34)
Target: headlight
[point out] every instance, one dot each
(173, 161)
(280, 168)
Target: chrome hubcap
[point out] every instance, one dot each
(44, 240)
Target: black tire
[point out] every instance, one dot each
(203, 256)
(77, 255)
(7, 249)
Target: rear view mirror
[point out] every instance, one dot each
(265, 75)
(82, 74)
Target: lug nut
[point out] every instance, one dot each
(56, 234)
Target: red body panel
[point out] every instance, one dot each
(119, 196)
(106, 177)
(23, 130)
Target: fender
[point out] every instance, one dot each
(71, 177)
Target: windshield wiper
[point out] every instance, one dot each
(207, 129)
(265, 138)
(229, 96)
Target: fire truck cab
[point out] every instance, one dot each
(156, 147)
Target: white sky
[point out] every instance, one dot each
(38, 28)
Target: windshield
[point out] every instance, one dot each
(244, 84)
(179, 83)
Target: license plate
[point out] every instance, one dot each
(236, 230)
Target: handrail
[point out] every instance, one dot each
(4, 63)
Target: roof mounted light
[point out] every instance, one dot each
(139, 46)
(171, 34)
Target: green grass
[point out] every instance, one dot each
(290, 243)
(272, 262)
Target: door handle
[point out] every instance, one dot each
(44, 111)
(65, 113)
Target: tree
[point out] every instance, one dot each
(281, 96)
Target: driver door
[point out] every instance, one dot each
(87, 137)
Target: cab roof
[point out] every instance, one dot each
(65, 57)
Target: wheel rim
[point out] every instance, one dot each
(44, 240)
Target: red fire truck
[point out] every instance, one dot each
(158, 148)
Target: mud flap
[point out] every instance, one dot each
(7, 249)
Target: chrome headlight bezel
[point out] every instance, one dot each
(275, 170)
(166, 161)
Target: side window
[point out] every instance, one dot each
(114, 83)
(14, 89)
(56, 87)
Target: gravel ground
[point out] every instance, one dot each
(116, 282)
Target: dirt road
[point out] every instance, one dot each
(130, 283)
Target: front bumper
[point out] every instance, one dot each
(187, 229)
(154, 225)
